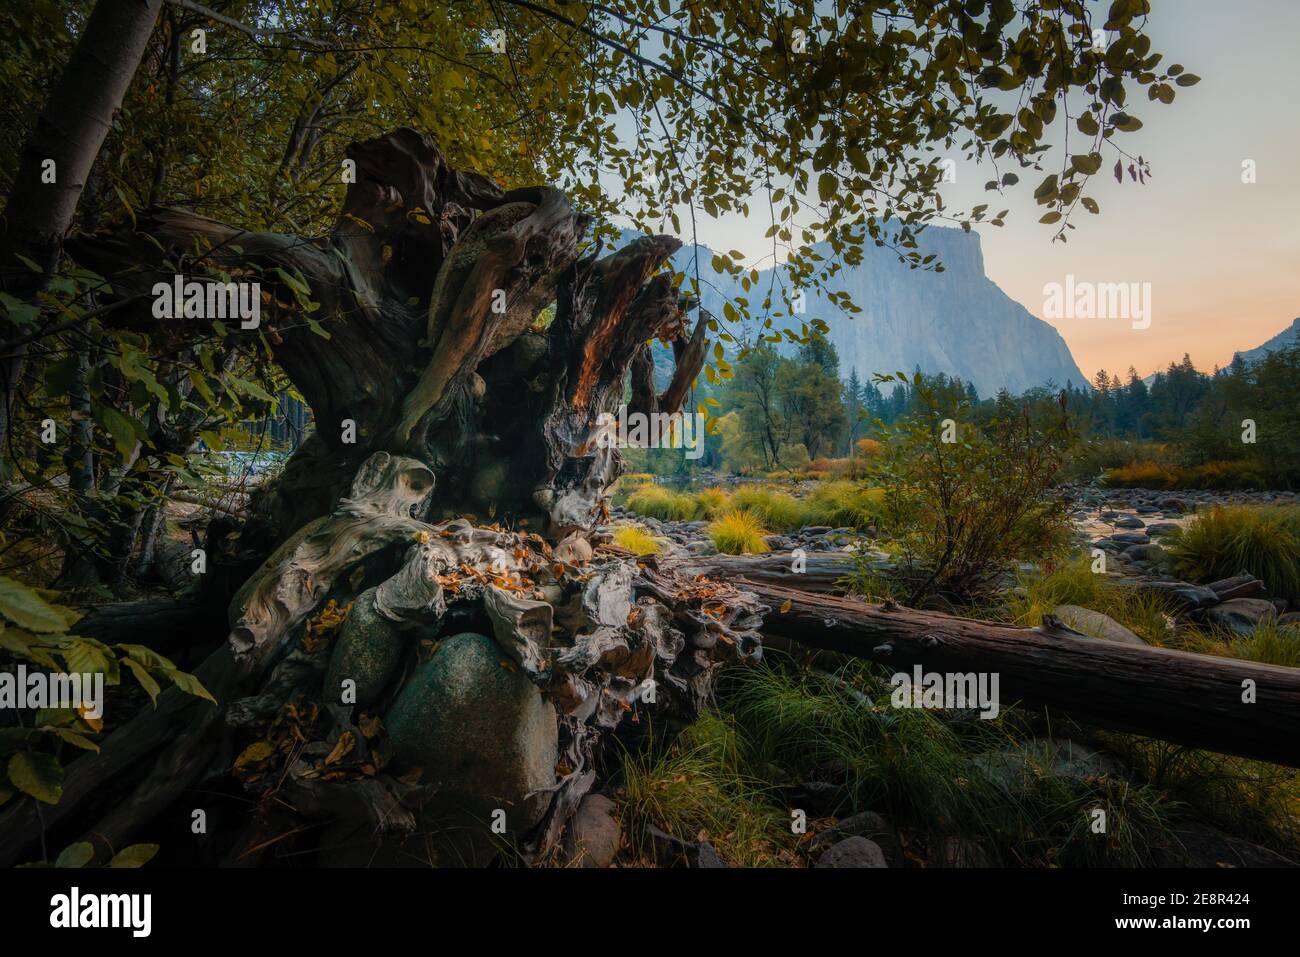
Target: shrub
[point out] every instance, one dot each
(738, 533)
(869, 448)
(1092, 458)
(1224, 542)
(636, 478)
(636, 539)
(1141, 475)
(655, 501)
(793, 456)
(963, 510)
(1235, 474)
(1238, 473)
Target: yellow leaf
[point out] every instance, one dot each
(343, 746)
(255, 752)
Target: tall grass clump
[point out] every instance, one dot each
(1073, 583)
(844, 504)
(636, 539)
(713, 501)
(1270, 643)
(982, 780)
(700, 788)
(655, 501)
(1225, 541)
(779, 511)
(738, 533)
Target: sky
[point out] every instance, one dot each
(1222, 257)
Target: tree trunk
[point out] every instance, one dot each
(1221, 704)
(451, 486)
(68, 133)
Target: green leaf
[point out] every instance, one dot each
(87, 656)
(190, 684)
(37, 774)
(142, 675)
(137, 855)
(75, 855)
(146, 656)
(76, 740)
(827, 186)
(121, 427)
(26, 609)
(20, 313)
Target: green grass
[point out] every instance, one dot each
(1271, 643)
(844, 504)
(779, 511)
(924, 772)
(1074, 583)
(637, 539)
(738, 533)
(713, 502)
(1225, 541)
(700, 789)
(777, 725)
(655, 501)
(1250, 799)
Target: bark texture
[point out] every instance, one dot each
(444, 501)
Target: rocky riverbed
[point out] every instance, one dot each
(1132, 526)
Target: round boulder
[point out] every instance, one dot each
(482, 732)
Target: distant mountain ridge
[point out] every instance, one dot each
(1289, 336)
(958, 322)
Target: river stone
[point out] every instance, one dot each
(1144, 553)
(1131, 538)
(593, 836)
(1241, 615)
(1096, 624)
(482, 732)
(368, 650)
(1182, 594)
(1129, 521)
(853, 852)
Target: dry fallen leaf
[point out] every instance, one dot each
(342, 748)
(255, 752)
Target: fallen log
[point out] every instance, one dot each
(165, 625)
(818, 572)
(1220, 704)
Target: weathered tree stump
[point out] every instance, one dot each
(430, 635)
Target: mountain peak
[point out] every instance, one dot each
(958, 322)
